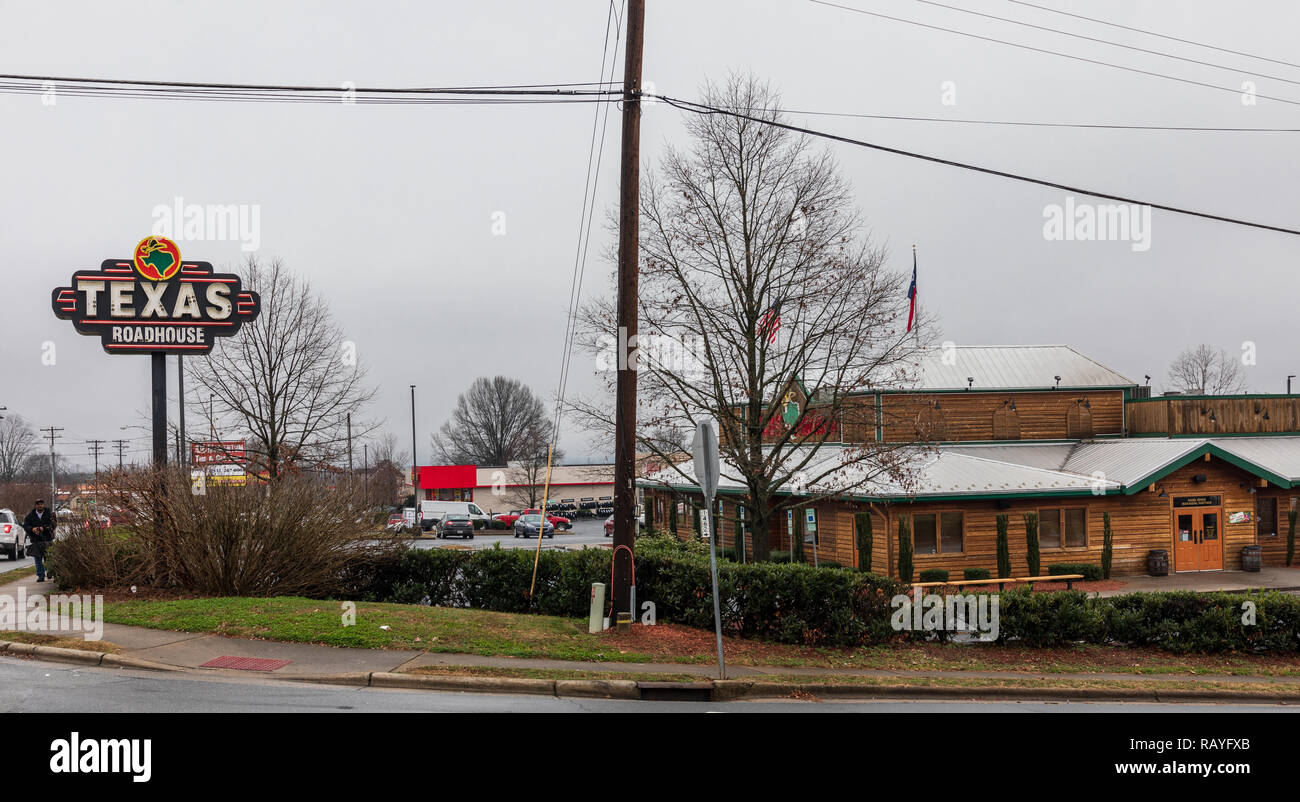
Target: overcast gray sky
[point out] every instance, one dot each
(389, 210)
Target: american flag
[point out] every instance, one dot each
(911, 293)
(770, 322)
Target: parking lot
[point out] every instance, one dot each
(585, 532)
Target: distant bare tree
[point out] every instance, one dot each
(1202, 370)
(526, 475)
(757, 280)
(387, 466)
(288, 378)
(17, 442)
(496, 421)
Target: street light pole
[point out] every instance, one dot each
(415, 463)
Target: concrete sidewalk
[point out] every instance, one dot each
(1277, 578)
(168, 650)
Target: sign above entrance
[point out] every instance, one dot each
(154, 303)
(1197, 501)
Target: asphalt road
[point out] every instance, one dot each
(7, 564)
(35, 686)
(585, 532)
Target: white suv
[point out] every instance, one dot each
(13, 537)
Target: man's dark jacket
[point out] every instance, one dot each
(46, 535)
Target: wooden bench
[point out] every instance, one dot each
(999, 581)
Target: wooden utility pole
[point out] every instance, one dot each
(628, 263)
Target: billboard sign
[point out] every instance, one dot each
(217, 452)
(155, 303)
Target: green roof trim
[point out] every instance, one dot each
(1192, 456)
(1240, 397)
(987, 390)
(1215, 435)
(1010, 494)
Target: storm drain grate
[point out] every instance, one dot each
(246, 663)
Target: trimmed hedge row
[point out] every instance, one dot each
(797, 603)
(788, 603)
(1176, 621)
(1090, 572)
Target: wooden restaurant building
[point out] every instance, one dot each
(1044, 429)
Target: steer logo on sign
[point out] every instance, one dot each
(157, 258)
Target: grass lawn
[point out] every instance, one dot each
(480, 632)
(41, 639)
(18, 573)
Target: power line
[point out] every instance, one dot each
(1105, 41)
(1050, 52)
(586, 92)
(1159, 35)
(1031, 123)
(501, 89)
(585, 215)
(701, 108)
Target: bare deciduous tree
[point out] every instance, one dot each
(526, 475)
(757, 277)
(1202, 370)
(495, 422)
(386, 469)
(17, 442)
(289, 378)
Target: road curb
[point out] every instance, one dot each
(344, 678)
(719, 690)
(731, 690)
(127, 661)
(598, 688)
(434, 682)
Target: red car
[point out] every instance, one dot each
(557, 521)
(507, 518)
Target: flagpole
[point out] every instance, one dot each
(915, 293)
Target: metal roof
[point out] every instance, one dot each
(1280, 455)
(1128, 461)
(1012, 367)
(1118, 465)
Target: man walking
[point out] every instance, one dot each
(39, 524)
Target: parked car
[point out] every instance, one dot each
(397, 523)
(432, 511)
(557, 521)
(609, 524)
(526, 526)
(13, 538)
(508, 518)
(457, 524)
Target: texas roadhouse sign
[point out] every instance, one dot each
(154, 303)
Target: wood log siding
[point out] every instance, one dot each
(1141, 522)
(988, 416)
(1191, 416)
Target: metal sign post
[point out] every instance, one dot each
(705, 454)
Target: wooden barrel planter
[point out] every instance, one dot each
(1251, 558)
(1158, 562)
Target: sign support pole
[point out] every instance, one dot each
(159, 409)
